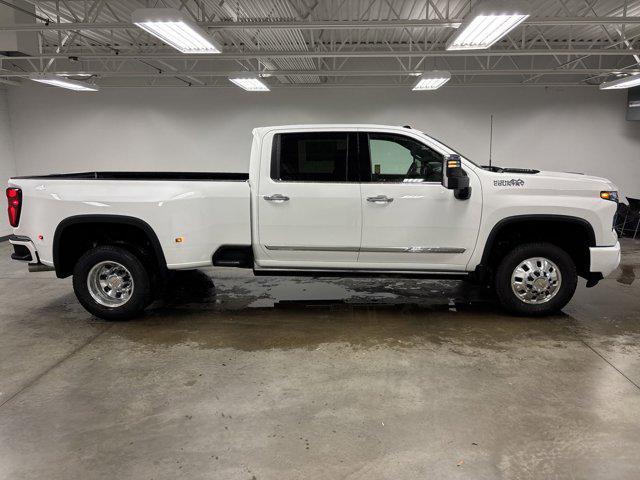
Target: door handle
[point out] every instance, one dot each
(380, 199)
(276, 198)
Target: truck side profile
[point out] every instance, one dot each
(322, 200)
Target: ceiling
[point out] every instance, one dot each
(324, 43)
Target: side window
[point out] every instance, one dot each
(396, 158)
(310, 157)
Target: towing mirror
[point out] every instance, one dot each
(455, 178)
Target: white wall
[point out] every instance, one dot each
(7, 166)
(575, 129)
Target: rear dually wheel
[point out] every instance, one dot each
(112, 283)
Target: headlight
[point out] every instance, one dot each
(609, 195)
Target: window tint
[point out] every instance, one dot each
(310, 157)
(396, 158)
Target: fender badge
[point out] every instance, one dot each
(514, 182)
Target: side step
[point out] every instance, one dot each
(239, 256)
(40, 267)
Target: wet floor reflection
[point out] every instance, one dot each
(627, 274)
(247, 313)
(200, 287)
(469, 329)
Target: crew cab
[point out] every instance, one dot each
(321, 200)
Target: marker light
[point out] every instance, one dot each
(453, 163)
(175, 29)
(14, 199)
(432, 80)
(250, 83)
(62, 82)
(623, 82)
(486, 24)
(611, 195)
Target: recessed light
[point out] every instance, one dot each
(58, 81)
(622, 82)
(432, 80)
(486, 24)
(175, 29)
(250, 83)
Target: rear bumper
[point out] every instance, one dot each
(604, 260)
(23, 249)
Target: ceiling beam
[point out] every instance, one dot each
(325, 24)
(284, 86)
(262, 54)
(323, 73)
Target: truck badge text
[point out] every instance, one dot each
(514, 182)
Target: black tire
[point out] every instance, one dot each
(141, 295)
(512, 303)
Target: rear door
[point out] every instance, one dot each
(309, 211)
(410, 220)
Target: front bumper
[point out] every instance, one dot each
(604, 260)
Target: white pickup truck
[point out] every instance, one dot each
(322, 200)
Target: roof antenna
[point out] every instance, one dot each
(491, 140)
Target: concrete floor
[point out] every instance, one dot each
(277, 378)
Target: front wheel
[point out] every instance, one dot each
(536, 279)
(112, 283)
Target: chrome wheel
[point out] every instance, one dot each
(110, 284)
(536, 280)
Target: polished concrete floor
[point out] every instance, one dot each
(277, 378)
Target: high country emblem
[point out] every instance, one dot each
(514, 182)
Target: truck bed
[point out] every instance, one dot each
(190, 213)
(204, 176)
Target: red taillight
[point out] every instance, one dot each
(14, 197)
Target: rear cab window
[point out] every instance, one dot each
(314, 157)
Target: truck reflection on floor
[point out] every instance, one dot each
(230, 290)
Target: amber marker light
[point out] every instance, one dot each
(607, 195)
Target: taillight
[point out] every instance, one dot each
(14, 197)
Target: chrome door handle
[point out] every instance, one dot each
(276, 198)
(380, 199)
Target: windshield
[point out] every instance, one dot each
(451, 150)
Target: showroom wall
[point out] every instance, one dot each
(568, 129)
(7, 166)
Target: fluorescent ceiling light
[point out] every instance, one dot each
(486, 24)
(622, 82)
(432, 80)
(62, 82)
(250, 83)
(175, 29)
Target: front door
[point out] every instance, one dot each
(309, 201)
(410, 220)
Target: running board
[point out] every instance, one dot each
(362, 274)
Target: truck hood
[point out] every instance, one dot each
(578, 179)
(547, 179)
(562, 183)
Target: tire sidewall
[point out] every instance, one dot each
(563, 261)
(142, 286)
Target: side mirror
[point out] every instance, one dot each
(455, 178)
